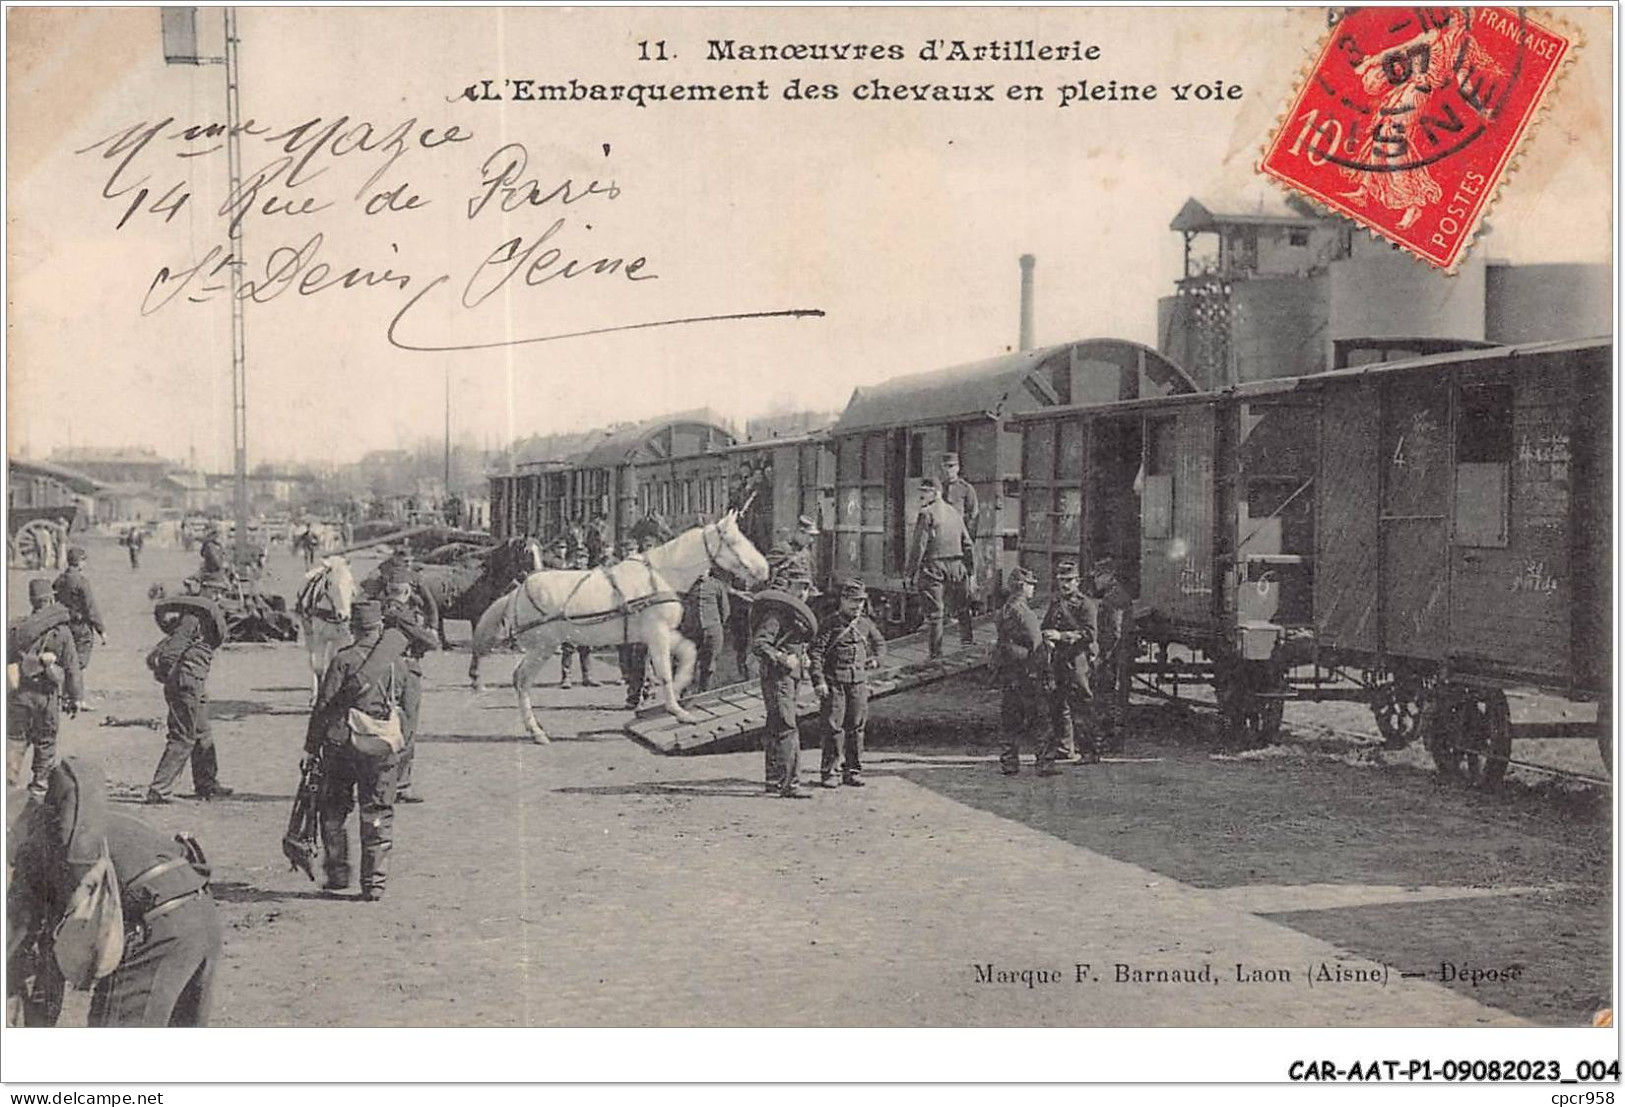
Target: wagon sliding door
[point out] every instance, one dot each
(1414, 526)
(1347, 526)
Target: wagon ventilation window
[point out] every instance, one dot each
(1484, 448)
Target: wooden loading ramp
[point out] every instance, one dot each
(732, 718)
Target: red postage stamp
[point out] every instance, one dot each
(1410, 116)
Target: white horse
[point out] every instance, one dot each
(639, 600)
(323, 608)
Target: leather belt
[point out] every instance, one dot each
(169, 905)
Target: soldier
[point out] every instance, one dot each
(581, 653)
(366, 677)
(943, 560)
(1021, 659)
(958, 492)
(845, 650)
(398, 567)
(597, 541)
(402, 612)
(134, 539)
(705, 616)
(307, 544)
(41, 646)
(634, 656)
(780, 634)
(172, 931)
(216, 566)
(182, 662)
(801, 547)
(556, 555)
(1070, 629)
(1119, 646)
(84, 618)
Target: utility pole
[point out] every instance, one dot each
(179, 26)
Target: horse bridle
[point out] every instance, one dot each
(727, 543)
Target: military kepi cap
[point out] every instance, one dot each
(1066, 570)
(1020, 576)
(806, 524)
(366, 614)
(76, 555)
(1104, 565)
(950, 458)
(930, 484)
(853, 589)
(39, 589)
(797, 573)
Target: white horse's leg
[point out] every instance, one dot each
(661, 645)
(524, 675)
(684, 653)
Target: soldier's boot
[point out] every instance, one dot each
(377, 839)
(335, 854)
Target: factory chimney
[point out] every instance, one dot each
(1026, 338)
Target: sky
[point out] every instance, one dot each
(900, 223)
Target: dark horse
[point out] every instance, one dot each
(474, 579)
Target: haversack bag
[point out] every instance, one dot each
(89, 940)
(377, 737)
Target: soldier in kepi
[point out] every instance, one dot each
(84, 618)
(847, 647)
(706, 612)
(944, 562)
(1119, 646)
(44, 661)
(355, 728)
(780, 635)
(181, 663)
(1022, 659)
(402, 611)
(569, 650)
(1070, 628)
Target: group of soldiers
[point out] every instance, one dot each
(1073, 666)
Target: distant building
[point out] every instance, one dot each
(788, 424)
(43, 484)
(1272, 287)
(123, 465)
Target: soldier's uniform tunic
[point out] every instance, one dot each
(352, 776)
(779, 644)
(944, 559)
(34, 717)
(186, 656)
(840, 658)
(1072, 662)
(409, 619)
(1020, 657)
(706, 616)
(172, 941)
(84, 618)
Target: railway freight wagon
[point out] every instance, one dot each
(893, 434)
(1419, 535)
(776, 481)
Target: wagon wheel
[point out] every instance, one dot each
(1396, 704)
(1250, 720)
(32, 543)
(1470, 736)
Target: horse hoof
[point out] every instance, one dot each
(541, 739)
(684, 717)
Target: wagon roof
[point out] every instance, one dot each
(992, 387)
(1214, 209)
(73, 478)
(1280, 385)
(620, 445)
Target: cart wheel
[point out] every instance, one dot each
(1396, 705)
(33, 543)
(1470, 737)
(1250, 720)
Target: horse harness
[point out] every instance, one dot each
(626, 608)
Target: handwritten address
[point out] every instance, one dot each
(300, 180)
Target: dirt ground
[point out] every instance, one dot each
(593, 883)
